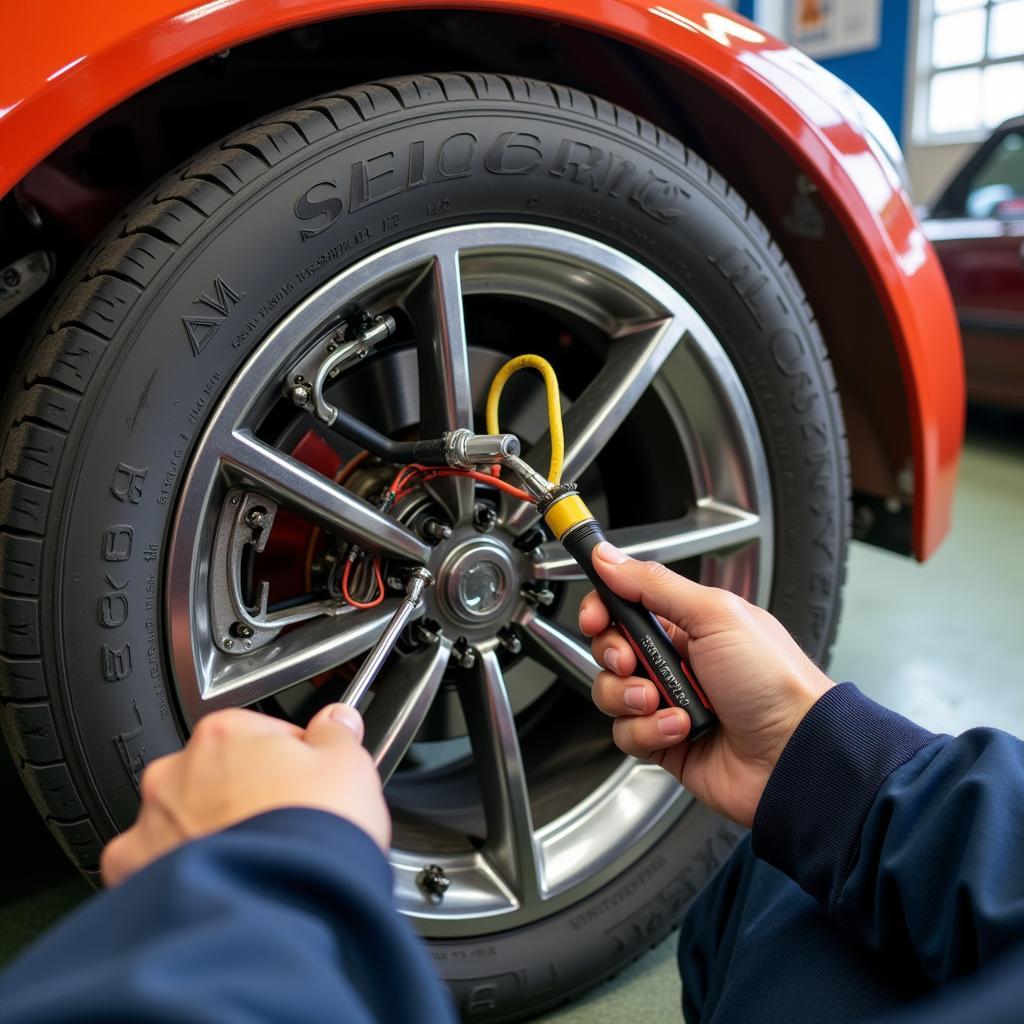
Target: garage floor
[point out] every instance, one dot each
(942, 643)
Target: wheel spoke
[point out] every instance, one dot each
(633, 362)
(560, 651)
(709, 528)
(330, 506)
(294, 657)
(446, 398)
(401, 699)
(511, 845)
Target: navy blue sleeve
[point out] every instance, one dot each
(912, 841)
(286, 917)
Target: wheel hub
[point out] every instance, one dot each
(478, 583)
(477, 579)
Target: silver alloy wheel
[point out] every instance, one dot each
(657, 341)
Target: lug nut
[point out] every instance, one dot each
(433, 880)
(533, 594)
(434, 529)
(532, 539)
(427, 632)
(464, 655)
(484, 517)
(300, 395)
(509, 639)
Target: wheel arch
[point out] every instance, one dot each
(819, 181)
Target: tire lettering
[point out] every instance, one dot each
(116, 665)
(117, 543)
(514, 146)
(112, 609)
(200, 329)
(450, 162)
(127, 483)
(741, 270)
(308, 208)
(361, 182)
(132, 749)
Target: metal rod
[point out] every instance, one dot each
(420, 579)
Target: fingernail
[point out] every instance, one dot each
(610, 553)
(346, 716)
(670, 724)
(612, 660)
(583, 629)
(636, 697)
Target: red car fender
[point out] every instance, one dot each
(67, 63)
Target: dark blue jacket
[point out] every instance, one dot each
(914, 843)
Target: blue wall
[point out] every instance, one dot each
(879, 75)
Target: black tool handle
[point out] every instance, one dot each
(655, 652)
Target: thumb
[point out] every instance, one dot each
(335, 725)
(655, 586)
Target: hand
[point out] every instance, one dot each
(239, 764)
(759, 681)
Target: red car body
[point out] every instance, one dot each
(786, 133)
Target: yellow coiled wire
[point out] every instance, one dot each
(544, 368)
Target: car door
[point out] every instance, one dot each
(977, 228)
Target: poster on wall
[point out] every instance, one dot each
(832, 28)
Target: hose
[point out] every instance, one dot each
(544, 368)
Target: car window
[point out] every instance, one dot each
(997, 187)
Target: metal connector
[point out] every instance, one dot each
(307, 378)
(536, 485)
(465, 450)
(419, 580)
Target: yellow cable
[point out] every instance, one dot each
(554, 406)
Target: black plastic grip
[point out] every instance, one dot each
(655, 652)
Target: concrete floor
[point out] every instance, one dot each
(942, 642)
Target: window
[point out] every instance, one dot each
(970, 68)
(997, 188)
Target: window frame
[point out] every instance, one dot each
(924, 71)
(952, 203)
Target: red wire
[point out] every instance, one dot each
(403, 483)
(406, 479)
(379, 579)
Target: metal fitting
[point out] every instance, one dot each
(324, 362)
(509, 639)
(534, 594)
(537, 486)
(256, 518)
(433, 880)
(465, 450)
(484, 517)
(242, 630)
(463, 654)
(434, 529)
(427, 632)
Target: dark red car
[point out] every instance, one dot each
(977, 228)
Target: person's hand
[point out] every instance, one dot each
(239, 764)
(759, 681)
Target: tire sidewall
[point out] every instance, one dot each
(268, 248)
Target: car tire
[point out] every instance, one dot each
(147, 333)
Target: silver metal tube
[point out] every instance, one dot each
(466, 450)
(420, 579)
(536, 485)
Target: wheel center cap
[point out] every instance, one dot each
(477, 581)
